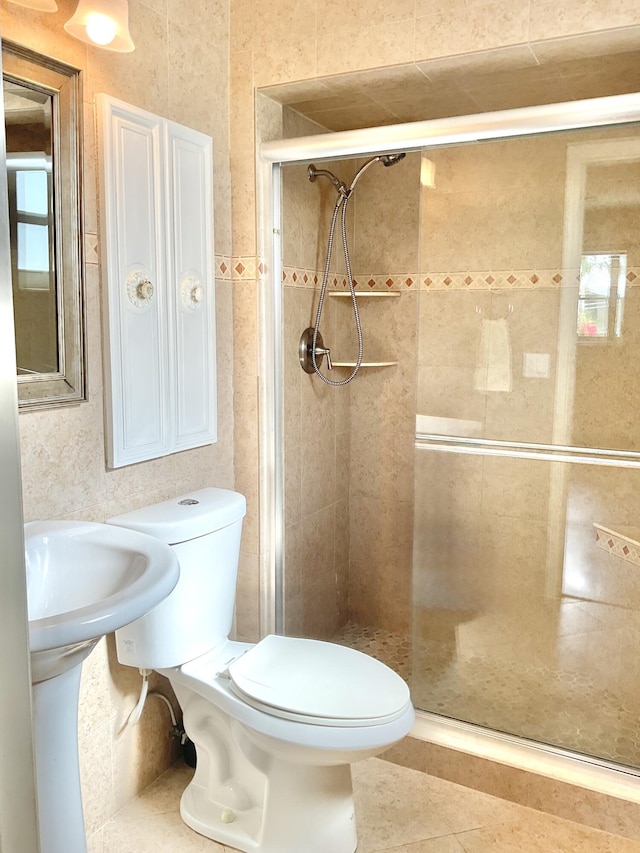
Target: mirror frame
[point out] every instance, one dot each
(63, 83)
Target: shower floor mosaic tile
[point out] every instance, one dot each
(508, 692)
(397, 810)
(392, 649)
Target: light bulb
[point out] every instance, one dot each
(101, 29)
(102, 23)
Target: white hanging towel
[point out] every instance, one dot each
(493, 372)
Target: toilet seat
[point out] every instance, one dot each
(320, 683)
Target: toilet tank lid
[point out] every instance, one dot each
(187, 516)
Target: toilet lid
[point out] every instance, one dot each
(316, 682)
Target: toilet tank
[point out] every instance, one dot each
(204, 529)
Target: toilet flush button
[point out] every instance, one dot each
(228, 816)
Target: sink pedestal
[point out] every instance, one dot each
(55, 725)
(84, 580)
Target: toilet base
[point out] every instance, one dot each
(305, 810)
(247, 793)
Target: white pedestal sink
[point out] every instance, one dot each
(84, 580)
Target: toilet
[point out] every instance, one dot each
(276, 724)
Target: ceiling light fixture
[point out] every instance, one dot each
(102, 23)
(38, 5)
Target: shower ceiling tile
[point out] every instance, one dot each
(493, 78)
(352, 119)
(331, 101)
(444, 103)
(383, 84)
(513, 95)
(304, 90)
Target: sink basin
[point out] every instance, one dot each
(84, 580)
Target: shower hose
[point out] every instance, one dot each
(341, 205)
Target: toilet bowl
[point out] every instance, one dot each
(275, 724)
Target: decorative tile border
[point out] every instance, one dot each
(618, 543)
(297, 277)
(224, 267)
(483, 280)
(489, 280)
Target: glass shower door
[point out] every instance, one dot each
(526, 563)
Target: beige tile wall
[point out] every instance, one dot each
(352, 446)
(179, 69)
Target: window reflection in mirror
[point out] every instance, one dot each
(30, 184)
(42, 123)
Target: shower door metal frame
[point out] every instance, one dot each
(409, 137)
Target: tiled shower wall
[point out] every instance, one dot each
(317, 419)
(348, 450)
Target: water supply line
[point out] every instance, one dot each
(134, 717)
(311, 347)
(136, 713)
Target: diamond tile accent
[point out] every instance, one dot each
(619, 545)
(482, 280)
(91, 253)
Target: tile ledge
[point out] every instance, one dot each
(620, 540)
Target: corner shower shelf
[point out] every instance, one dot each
(337, 294)
(622, 541)
(364, 294)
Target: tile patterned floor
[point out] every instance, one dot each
(516, 692)
(397, 810)
(392, 649)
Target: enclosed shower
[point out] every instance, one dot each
(467, 508)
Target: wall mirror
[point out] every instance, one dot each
(42, 104)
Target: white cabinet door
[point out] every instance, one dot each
(159, 284)
(192, 284)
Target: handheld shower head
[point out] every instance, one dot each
(386, 159)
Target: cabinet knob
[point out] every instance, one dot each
(192, 293)
(139, 289)
(144, 290)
